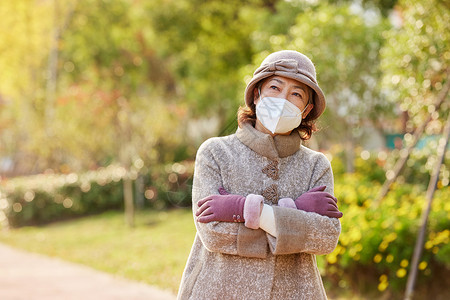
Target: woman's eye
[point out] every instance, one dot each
(273, 87)
(297, 95)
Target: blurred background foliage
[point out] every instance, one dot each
(83, 78)
(93, 92)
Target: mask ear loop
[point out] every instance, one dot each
(309, 101)
(305, 108)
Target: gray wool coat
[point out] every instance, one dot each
(231, 261)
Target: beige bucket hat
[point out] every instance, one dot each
(290, 64)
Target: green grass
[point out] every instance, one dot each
(154, 251)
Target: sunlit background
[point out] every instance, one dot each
(103, 104)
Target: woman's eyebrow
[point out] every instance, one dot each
(300, 87)
(282, 82)
(278, 80)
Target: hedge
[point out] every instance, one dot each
(43, 198)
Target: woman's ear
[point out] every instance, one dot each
(255, 95)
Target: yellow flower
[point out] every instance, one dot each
(442, 237)
(383, 246)
(404, 263)
(344, 240)
(390, 237)
(377, 258)
(336, 250)
(332, 259)
(382, 286)
(447, 206)
(390, 258)
(413, 214)
(355, 235)
(423, 265)
(385, 224)
(367, 203)
(401, 273)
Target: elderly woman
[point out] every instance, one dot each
(263, 203)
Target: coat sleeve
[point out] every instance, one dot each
(300, 231)
(223, 237)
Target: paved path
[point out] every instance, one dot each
(29, 276)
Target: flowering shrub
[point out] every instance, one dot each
(377, 240)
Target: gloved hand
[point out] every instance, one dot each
(224, 208)
(227, 207)
(223, 191)
(318, 201)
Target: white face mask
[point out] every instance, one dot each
(278, 115)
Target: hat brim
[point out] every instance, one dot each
(319, 97)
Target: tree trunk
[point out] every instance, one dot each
(350, 152)
(125, 156)
(430, 192)
(52, 69)
(52, 66)
(4, 222)
(139, 192)
(128, 200)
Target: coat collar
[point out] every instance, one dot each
(264, 144)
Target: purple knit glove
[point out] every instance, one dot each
(224, 208)
(230, 208)
(318, 201)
